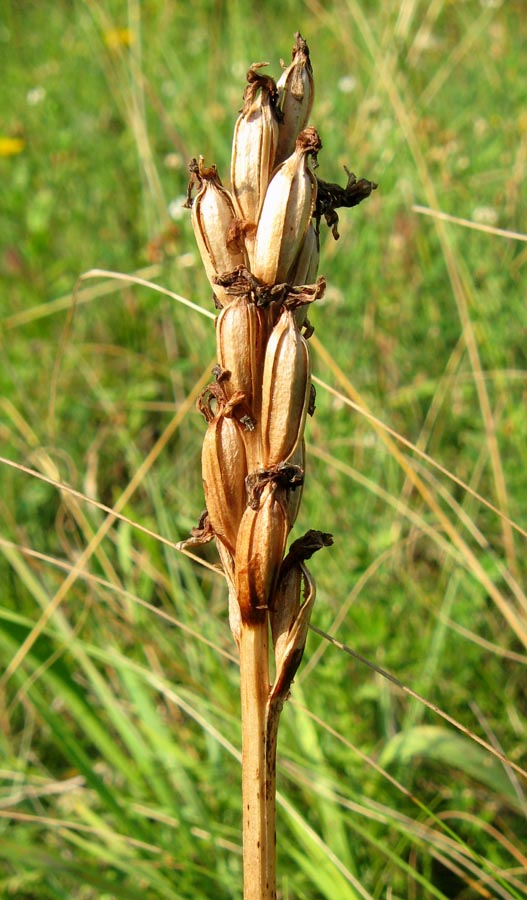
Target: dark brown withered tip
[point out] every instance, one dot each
(300, 45)
(304, 547)
(258, 81)
(202, 533)
(331, 196)
(308, 141)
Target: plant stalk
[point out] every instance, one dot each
(258, 765)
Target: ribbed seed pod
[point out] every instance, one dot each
(212, 219)
(224, 469)
(286, 603)
(254, 145)
(285, 392)
(286, 212)
(290, 624)
(260, 549)
(296, 90)
(241, 337)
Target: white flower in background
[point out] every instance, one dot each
(35, 96)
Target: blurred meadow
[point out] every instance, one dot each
(120, 737)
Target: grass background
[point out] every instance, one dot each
(119, 747)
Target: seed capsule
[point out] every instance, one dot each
(286, 212)
(296, 90)
(213, 220)
(286, 604)
(290, 623)
(260, 548)
(285, 392)
(241, 336)
(254, 145)
(224, 469)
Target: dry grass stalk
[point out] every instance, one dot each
(260, 249)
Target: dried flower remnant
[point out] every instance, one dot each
(331, 197)
(260, 246)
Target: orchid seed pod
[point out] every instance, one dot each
(286, 212)
(296, 90)
(241, 333)
(290, 623)
(213, 218)
(260, 549)
(286, 603)
(254, 145)
(224, 469)
(285, 392)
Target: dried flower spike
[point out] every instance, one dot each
(260, 248)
